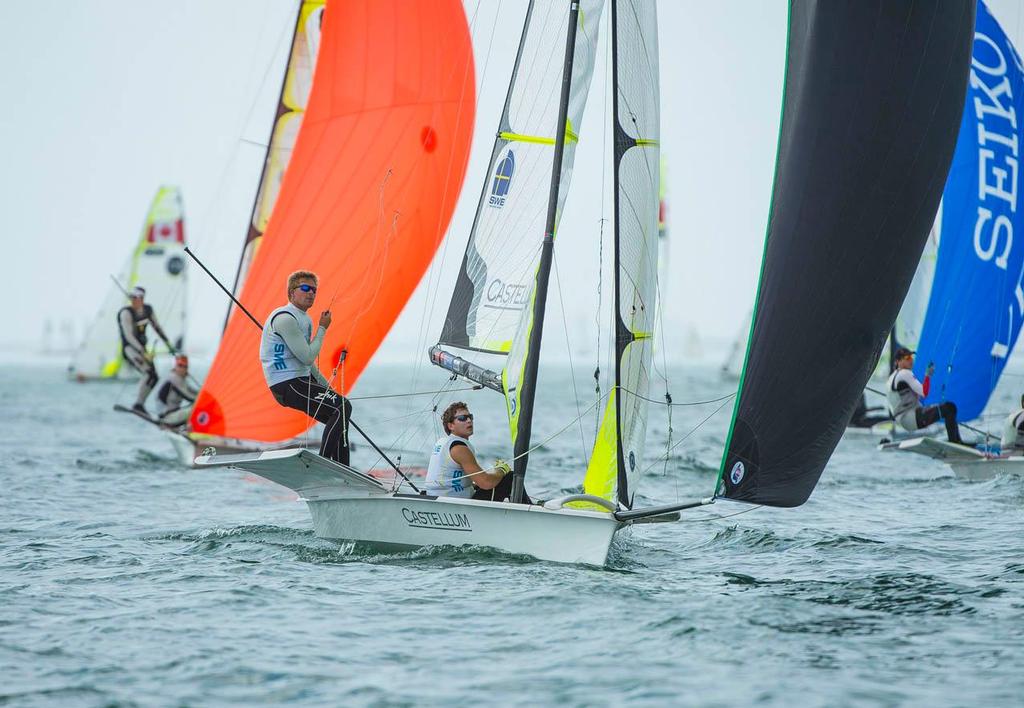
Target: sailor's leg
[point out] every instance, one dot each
(145, 367)
(325, 406)
(948, 411)
(926, 416)
(177, 417)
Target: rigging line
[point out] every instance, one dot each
(572, 370)
(421, 334)
(415, 393)
(287, 31)
(723, 516)
(428, 314)
(683, 439)
(556, 434)
(680, 405)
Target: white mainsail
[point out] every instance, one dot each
(494, 285)
(616, 460)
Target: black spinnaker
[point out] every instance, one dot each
(873, 95)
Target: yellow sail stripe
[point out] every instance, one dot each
(645, 142)
(570, 137)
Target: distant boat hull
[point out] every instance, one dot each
(967, 463)
(349, 506)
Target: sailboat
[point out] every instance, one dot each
(157, 262)
(976, 305)
(873, 96)
(371, 184)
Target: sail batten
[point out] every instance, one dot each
(872, 102)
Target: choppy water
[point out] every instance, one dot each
(126, 580)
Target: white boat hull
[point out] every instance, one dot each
(966, 462)
(396, 522)
(349, 506)
(984, 470)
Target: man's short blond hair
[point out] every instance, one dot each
(294, 278)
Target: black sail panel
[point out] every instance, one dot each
(873, 95)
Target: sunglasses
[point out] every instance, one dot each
(464, 418)
(306, 288)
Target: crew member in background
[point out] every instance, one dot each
(905, 392)
(132, 321)
(288, 352)
(176, 394)
(1013, 433)
(453, 470)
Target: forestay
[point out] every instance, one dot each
(873, 96)
(976, 308)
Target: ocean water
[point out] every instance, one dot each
(127, 580)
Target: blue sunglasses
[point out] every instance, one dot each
(307, 288)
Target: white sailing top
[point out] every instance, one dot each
(445, 475)
(288, 347)
(904, 393)
(1013, 433)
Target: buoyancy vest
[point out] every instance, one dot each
(139, 322)
(445, 475)
(279, 363)
(903, 399)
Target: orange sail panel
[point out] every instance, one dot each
(366, 199)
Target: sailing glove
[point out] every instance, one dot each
(502, 466)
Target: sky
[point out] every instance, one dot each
(108, 99)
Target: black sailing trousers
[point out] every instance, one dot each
(308, 395)
(946, 411)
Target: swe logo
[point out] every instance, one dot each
(279, 357)
(503, 172)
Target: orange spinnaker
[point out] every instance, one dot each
(367, 197)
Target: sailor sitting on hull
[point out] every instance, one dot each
(175, 395)
(1013, 433)
(453, 470)
(905, 392)
(288, 352)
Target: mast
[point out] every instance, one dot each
(544, 269)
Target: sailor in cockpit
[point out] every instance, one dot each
(453, 470)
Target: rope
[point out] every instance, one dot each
(682, 439)
(416, 393)
(668, 399)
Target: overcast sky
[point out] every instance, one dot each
(108, 99)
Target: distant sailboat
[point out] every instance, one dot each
(857, 171)
(370, 187)
(975, 309)
(157, 263)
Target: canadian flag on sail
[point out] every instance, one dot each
(166, 232)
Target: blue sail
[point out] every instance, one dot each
(977, 301)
